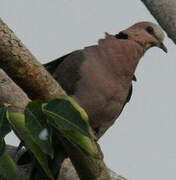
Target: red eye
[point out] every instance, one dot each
(150, 30)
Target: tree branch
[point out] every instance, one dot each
(165, 13)
(24, 69)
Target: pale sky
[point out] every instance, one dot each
(141, 144)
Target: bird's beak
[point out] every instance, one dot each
(163, 47)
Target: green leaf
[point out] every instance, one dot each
(36, 124)
(2, 146)
(18, 124)
(65, 115)
(68, 115)
(83, 142)
(4, 128)
(4, 124)
(8, 167)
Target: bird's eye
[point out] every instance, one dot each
(150, 30)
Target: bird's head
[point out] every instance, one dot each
(147, 34)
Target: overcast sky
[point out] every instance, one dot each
(141, 145)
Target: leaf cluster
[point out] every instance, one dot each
(37, 126)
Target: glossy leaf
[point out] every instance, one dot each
(36, 124)
(72, 122)
(4, 128)
(4, 124)
(18, 124)
(69, 115)
(82, 142)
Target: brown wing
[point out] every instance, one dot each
(66, 70)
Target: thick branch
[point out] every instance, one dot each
(165, 13)
(31, 76)
(23, 67)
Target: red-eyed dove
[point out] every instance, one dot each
(99, 77)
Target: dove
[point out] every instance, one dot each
(99, 77)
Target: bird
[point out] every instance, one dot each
(99, 77)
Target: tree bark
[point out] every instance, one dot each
(32, 77)
(164, 12)
(24, 69)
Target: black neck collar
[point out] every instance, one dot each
(121, 35)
